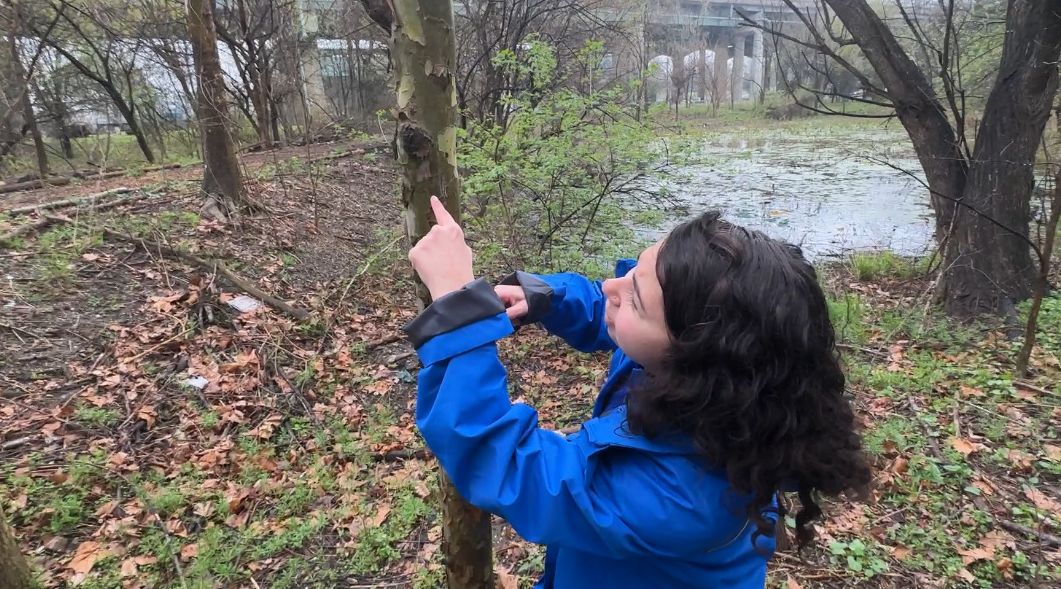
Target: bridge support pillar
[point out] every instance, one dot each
(736, 80)
(759, 85)
(720, 76)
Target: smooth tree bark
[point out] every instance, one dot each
(14, 571)
(424, 56)
(980, 194)
(222, 182)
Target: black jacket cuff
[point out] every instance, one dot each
(477, 300)
(538, 293)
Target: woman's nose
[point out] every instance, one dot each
(610, 289)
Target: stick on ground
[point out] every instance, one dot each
(47, 220)
(212, 266)
(55, 204)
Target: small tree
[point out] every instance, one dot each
(222, 185)
(424, 56)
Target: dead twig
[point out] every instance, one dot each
(1021, 384)
(870, 351)
(390, 339)
(1043, 537)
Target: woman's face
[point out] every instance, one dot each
(634, 313)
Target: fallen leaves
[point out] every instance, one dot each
(966, 447)
(86, 555)
(505, 578)
(1043, 501)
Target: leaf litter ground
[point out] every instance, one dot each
(155, 436)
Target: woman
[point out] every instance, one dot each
(724, 389)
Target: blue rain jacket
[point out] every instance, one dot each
(616, 510)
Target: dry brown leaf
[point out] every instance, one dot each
(965, 447)
(1005, 566)
(975, 554)
(128, 568)
(1053, 453)
(791, 583)
(901, 552)
(85, 556)
(1043, 501)
(505, 579)
(380, 516)
(147, 414)
(189, 551)
(19, 502)
(1020, 459)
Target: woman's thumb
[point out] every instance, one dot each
(517, 310)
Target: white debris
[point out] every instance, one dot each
(245, 304)
(198, 382)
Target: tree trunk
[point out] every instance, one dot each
(678, 78)
(61, 115)
(424, 55)
(19, 77)
(701, 71)
(987, 261)
(990, 262)
(719, 74)
(222, 185)
(14, 572)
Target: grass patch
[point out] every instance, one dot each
(869, 266)
(96, 417)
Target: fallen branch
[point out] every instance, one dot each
(853, 348)
(34, 184)
(390, 339)
(47, 220)
(56, 204)
(1020, 384)
(215, 266)
(15, 443)
(1043, 537)
(97, 174)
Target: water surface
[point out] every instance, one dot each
(831, 190)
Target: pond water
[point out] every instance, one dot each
(831, 190)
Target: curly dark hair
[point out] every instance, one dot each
(753, 374)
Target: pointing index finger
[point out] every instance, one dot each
(441, 214)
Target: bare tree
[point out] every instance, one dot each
(247, 27)
(980, 191)
(89, 38)
(20, 82)
(486, 28)
(222, 185)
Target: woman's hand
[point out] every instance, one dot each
(515, 301)
(441, 258)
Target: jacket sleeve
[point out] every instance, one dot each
(551, 489)
(569, 306)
